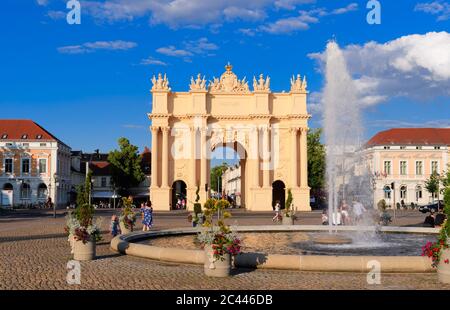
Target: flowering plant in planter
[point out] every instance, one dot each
(81, 226)
(216, 233)
(434, 250)
(128, 217)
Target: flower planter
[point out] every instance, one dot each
(125, 230)
(287, 220)
(443, 269)
(215, 267)
(83, 251)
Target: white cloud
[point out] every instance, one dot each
(42, 2)
(389, 123)
(291, 4)
(439, 8)
(190, 48)
(348, 8)
(173, 51)
(303, 20)
(247, 31)
(55, 15)
(152, 61)
(414, 66)
(89, 47)
(177, 13)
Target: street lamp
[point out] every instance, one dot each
(90, 191)
(55, 176)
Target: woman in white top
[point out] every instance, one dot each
(277, 211)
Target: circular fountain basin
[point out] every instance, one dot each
(331, 239)
(298, 252)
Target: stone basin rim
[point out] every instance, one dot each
(396, 264)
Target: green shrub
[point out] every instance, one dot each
(197, 208)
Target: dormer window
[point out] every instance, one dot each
(39, 137)
(4, 136)
(24, 136)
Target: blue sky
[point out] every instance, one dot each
(89, 83)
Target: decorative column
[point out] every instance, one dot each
(294, 168)
(194, 156)
(155, 156)
(266, 166)
(303, 158)
(256, 159)
(203, 163)
(165, 157)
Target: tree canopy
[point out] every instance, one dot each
(216, 173)
(316, 164)
(126, 166)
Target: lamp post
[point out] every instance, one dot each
(90, 191)
(55, 176)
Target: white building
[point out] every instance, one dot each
(34, 165)
(231, 182)
(405, 158)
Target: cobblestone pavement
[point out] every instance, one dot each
(34, 253)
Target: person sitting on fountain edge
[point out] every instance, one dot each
(429, 220)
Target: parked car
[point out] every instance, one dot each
(432, 207)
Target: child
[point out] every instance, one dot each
(115, 229)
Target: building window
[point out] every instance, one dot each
(418, 192)
(25, 165)
(403, 147)
(25, 144)
(24, 136)
(42, 165)
(387, 147)
(419, 168)
(437, 147)
(4, 136)
(387, 167)
(403, 168)
(8, 165)
(9, 144)
(403, 191)
(103, 181)
(418, 147)
(42, 191)
(43, 144)
(434, 167)
(387, 192)
(25, 191)
(39, 137)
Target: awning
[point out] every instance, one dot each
(141, 194)
(103, 194)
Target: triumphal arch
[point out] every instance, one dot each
(268, 130)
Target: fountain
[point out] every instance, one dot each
(343, 131)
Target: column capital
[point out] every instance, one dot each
(165, 129)
(154, 128)
(304, 129)
(294, 130)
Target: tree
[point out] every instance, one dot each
(432, 184)
(316, 164)
(84, 191)
(216, 174)
(126, 166)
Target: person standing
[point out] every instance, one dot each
(146, 217)
(277, 211)
(358, 210)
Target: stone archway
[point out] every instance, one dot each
(270, 127)
(238, 148)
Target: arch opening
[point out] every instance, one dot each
(179, 195)
(278, 193)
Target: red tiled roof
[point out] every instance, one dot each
(16, 129)
(411, 136)
(100, 168)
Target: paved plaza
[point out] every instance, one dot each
(34, 253)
